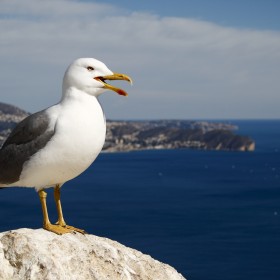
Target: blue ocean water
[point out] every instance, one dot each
(212, 215)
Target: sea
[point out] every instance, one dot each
(212, 215)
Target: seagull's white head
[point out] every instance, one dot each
(89, 75)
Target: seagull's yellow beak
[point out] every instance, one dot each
(115, 76)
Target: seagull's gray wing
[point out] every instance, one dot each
(29, 136)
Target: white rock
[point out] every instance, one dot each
(39, 254)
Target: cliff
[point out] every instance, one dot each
(147, 135)
(39, 254)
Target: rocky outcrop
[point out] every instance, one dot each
(39, 254)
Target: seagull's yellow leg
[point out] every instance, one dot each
(61, 221)
(46, 222)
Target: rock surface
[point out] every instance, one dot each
(39, 254)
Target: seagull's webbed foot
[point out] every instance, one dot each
(57, 229)
(75, 229)
(70, 228)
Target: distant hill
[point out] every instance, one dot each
(6, 109)
(143, 135)
(9, 117)
(175, 134)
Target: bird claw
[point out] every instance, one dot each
(62, 229)
(57, 229)
(82, 231)
(71, 228)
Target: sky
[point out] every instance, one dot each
(189, 59)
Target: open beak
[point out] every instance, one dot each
(115, 76)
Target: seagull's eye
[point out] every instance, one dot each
(89, 68)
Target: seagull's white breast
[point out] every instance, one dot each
(80, 130)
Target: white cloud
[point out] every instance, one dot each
(182, 68)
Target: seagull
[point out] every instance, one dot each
(57, 144)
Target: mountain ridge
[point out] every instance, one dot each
(154, 134)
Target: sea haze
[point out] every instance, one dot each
(212, 215)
